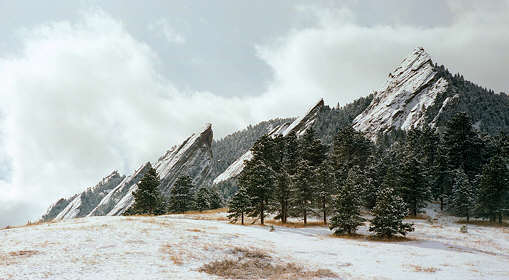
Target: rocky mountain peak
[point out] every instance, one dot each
(409, 90)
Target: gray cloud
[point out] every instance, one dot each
(84, 97)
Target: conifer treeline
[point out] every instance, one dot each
(299, 176)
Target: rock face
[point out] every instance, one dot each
(81, 204)
(113, 195)
(299, 126)
(193, 157)
(120, 198)
(409, 90)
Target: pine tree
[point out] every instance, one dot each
(464, 195)
(347, 205)
(258, 179)
(215, 200)
(238, 206)
(324, 187)
(350, 148)
(302, 192)
(414, 186)
(201, 199)
(389, 211)
(147, 198)
(181, 197)
(494, 186)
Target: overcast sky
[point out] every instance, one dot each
(88, 87)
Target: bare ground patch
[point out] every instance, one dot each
(244, 263)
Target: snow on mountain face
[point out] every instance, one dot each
(411, 88)
(113, 195)
(193, 157)
(299, 126)
(110, 205)
(81, 204)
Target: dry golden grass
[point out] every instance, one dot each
(15, 256)
(483, 223)
(418, 268)
(257, 264)
(29, 224)
(212, 211)
(295, 225)
(194, 230)
(174, 256)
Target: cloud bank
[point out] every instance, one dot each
(84, 97)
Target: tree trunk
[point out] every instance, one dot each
(261, 216)
(242, 215)
(441, 203)
(305, 217)
(324, 213)
(500, 217)
(468, 216)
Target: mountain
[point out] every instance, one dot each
(81, 204)
(298, 126)
(113, 195)
(419, 92)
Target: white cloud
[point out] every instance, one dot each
(83, 98)
(164, 28)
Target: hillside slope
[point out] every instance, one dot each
(177, 246)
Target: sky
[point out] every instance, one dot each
(88, 87)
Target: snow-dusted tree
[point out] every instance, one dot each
(147, 198)
(414, 187)
(464, 195)
(324, 187)
(389, 211)
(201, 199)
(215, 200)
(347, 205)
(302, 191)
(181, 197)
(239, 205)
(493, 189)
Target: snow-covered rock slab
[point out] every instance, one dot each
(409, 90)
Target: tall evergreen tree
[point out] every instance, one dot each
(215, 200)
(302, 192)
(414, 186)
(464, 195)
(181, 196)
(324, 188)
(464, 147)
(201, 199)
(389, 211)
(347, 205)
(494, 186)
(147, 198)
(239, 205)
(350, 148)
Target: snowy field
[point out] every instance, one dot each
(177, 246)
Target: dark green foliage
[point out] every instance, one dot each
(413, 186)
(302, 191)
(347, 205)
(231, 147)
(324, 188)
(494, 188)
(181, 196)
(464, 195)
(463, 145)
(350, 148)
(215, 200)
(147, 198)
(202, 199)
(239, 205)
(389, 211)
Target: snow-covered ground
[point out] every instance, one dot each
(176, 246)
